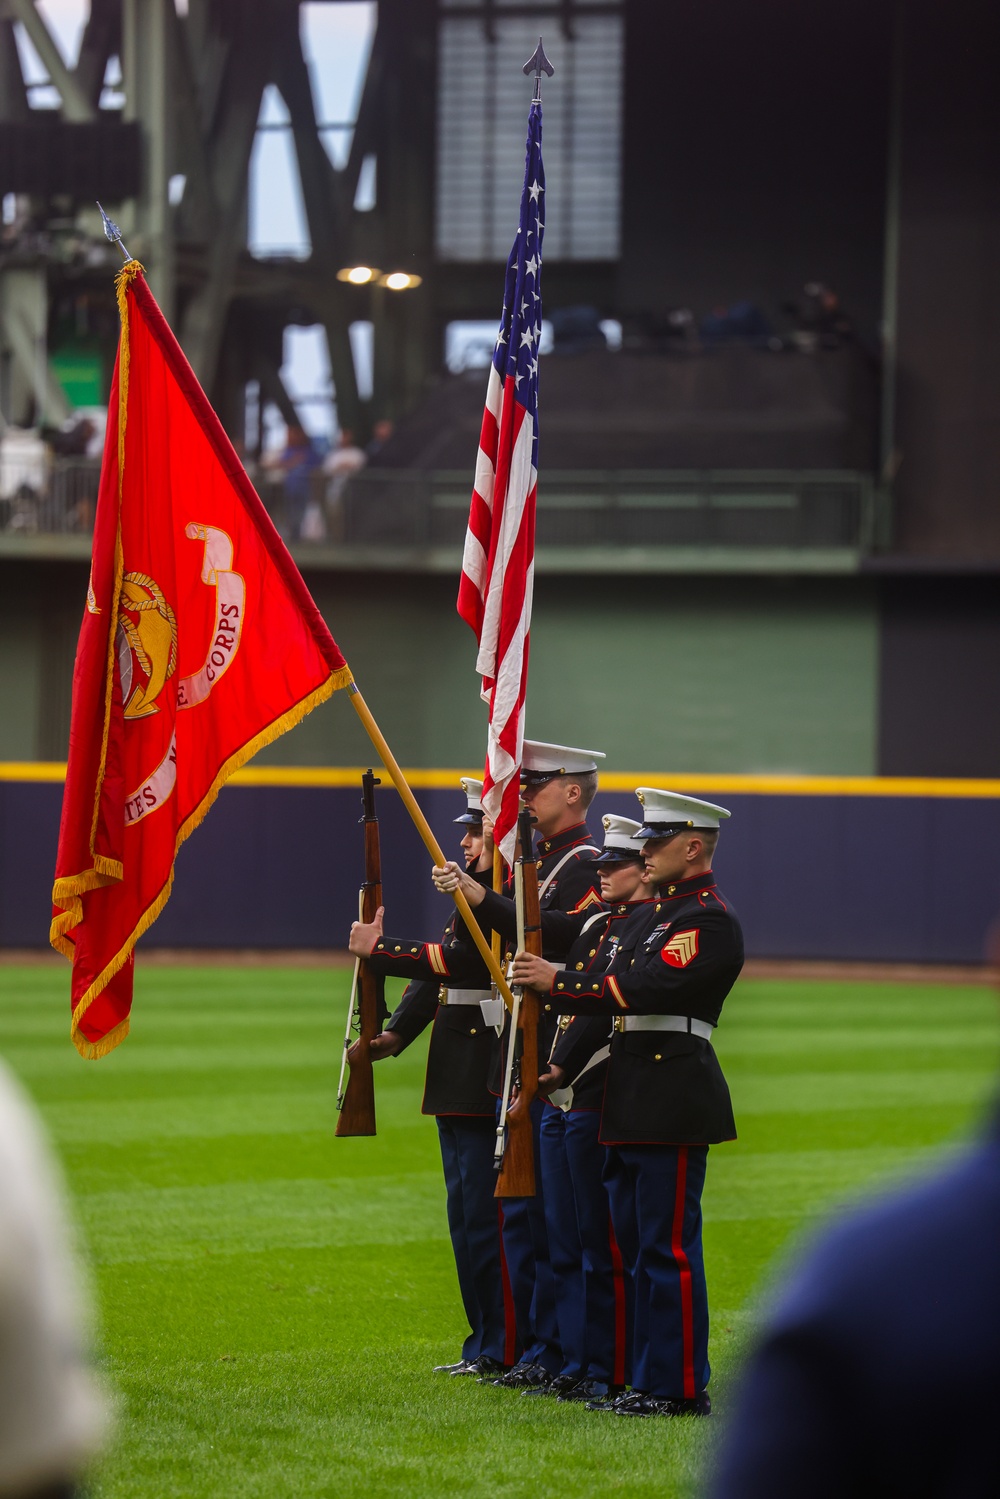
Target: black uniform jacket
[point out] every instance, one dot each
(584, 1036)
(681, 958)
(567, 882)
(569, 891)
(460, 1055)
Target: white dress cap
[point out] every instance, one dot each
(540, 762)
(669, 812)
(473, 793)
(620, 832)
(473, 813)
(620, 841)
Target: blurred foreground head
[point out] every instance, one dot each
(878, 1371)
(53, 1413)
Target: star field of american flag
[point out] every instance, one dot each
(516, 349)
(495, 591)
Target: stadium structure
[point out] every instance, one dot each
(768, 534)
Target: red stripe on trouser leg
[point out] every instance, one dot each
(509, 1320)
(618, 1276)
(684, 1273)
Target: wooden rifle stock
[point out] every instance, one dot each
(357, 1112)
(517, 1173)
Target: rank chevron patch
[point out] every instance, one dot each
(682, 947)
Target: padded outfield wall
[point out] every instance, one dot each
(783, 698)
(837, 869)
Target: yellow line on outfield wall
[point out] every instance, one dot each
(709, 783)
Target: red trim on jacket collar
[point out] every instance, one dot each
(690, 886)
(560, 842)
(626, 907)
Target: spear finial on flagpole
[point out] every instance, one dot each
(538, 64)
(113, 233)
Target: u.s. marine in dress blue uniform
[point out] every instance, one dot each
(456, 1092)
(559, 783)
(593, 1290)
(666, 1100)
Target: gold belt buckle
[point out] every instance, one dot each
(442, 995)
(619, 1024)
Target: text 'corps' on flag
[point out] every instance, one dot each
(199, 644)
(494, 594)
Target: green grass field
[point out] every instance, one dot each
(272, 1299)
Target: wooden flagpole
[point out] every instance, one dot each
(423, 827)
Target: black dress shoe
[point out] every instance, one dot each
(592, 1389)
(556, 1387)
(523, 1376)
(458, 1368)
(610, 1401)
(652, 1405)
(482, 1367)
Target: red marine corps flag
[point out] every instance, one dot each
(199, 644)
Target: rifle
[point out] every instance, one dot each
(357, 1103)
(514, 1158)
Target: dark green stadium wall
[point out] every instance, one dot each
(682, 674)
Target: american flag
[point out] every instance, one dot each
(494, 595)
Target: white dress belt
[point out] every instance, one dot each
(464, 996)
(563, 1097)
(683, 1023)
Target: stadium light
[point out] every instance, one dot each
(358, 275)
(399, 281)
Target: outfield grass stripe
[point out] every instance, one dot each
(216, 1058)
(970, 1004)
(285, 1112)
(117, 1122)
(168, 1024)
(177, 1223)
(183, 1223)
(745, 1185)
(895, 1043)
(826, 1092)
(923, 1128)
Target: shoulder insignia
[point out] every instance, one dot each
(682, 947)
(592, 898)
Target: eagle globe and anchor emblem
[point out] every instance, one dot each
(146, 648)
(147, 644)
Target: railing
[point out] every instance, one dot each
(630, 508)
(48, 496)
(587, 513)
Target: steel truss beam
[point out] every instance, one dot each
(194, 83)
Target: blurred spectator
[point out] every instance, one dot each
(24, 471)
(340, 464)
(743, 322)
(820, 321)
(672, 330)
(682, 330)
(295, 463)
(381, 432)
(53, 1412)
(879, 1370)
(577, 330)
(73, 439)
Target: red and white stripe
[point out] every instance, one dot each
(495, 591)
